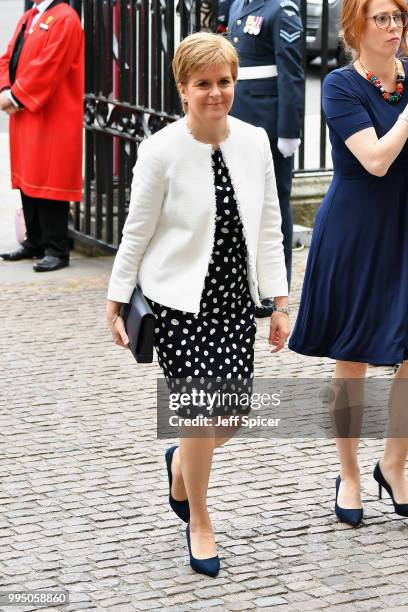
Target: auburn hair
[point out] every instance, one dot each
(353, 23)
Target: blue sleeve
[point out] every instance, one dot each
(224, 11)
(344, 110)
(288, 44)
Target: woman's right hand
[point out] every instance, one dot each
(116, 324)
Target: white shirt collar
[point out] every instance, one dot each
(42, 6)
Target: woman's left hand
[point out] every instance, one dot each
(279, 330)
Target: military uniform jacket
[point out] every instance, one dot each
(269, 32)
(48, 81)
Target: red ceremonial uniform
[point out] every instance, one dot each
(46, 136)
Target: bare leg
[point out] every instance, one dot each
(178, 489)
(349, 492)
(396, 448)
(195, 459)
(225, 433)
(191, 468)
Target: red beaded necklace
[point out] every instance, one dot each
(395, 96)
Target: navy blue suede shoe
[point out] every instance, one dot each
(401, 509)
(210, 566)
(181, 508)
(352, 516)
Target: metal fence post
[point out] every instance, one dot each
(130, 94)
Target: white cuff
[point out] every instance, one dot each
(287, 146)
(8, 93)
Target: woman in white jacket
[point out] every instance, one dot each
(203, 238)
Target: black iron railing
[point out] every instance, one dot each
(130, 94)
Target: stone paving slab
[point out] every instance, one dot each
(84, 485)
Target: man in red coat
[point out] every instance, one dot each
(42, 89)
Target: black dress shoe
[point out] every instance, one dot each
(266, 309)
(49, 263)
(21, 253)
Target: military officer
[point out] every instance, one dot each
(270, 90)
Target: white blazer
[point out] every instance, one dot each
(168, 236)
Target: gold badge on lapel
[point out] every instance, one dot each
(44, 24)
(253, 24)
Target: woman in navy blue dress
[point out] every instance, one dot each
(354, 304)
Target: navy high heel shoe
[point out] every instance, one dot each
(181, 508)
(352, 516)
(401, 509)
(210, 566)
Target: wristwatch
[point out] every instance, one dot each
(284, 309)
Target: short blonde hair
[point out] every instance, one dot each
(203, 50)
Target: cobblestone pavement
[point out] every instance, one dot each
(84, 487)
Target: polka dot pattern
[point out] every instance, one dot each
(219, 340)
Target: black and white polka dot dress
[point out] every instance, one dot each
(218, 342)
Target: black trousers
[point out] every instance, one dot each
(283, 172)
(47, 226)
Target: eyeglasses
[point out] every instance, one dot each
(383, 21)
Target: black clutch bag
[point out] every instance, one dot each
(139, 324)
